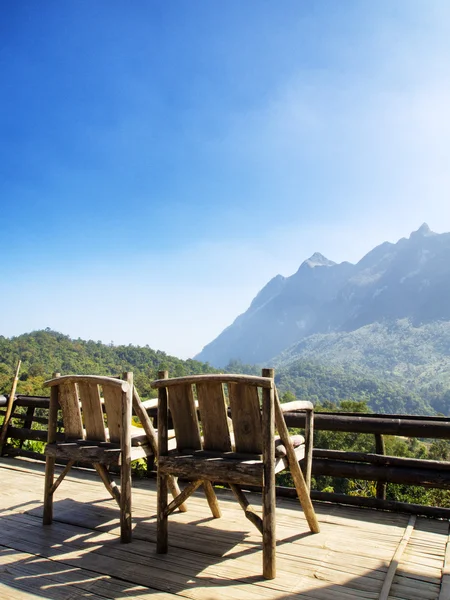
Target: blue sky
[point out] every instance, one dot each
(161, 161)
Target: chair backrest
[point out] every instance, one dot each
(93, 407)
(209, 396)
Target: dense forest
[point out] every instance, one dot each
(413, 361)
(45, 352)
(319, 383)
(309, 380)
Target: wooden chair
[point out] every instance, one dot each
(98, 430)
(244, 456)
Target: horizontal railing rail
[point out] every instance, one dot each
(377, 466)
(28, 422)
(401, 425)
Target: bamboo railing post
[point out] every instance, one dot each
(380, 448)
(28, 421)
(9, 408)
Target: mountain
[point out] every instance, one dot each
(283, 312)
(409, 279)
(406, 280)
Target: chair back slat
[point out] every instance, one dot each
(184, 416)
(213, 416)
(70, 407)
(246, 415)
(113, 406)
(92, 411)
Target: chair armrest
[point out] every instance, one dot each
(296, 405)
(151, 403)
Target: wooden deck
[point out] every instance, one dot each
(80, 555)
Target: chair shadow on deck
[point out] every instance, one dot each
(80, 555)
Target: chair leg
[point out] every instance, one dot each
(175, 491)
(212, 499)
(48, 495)
(248, 509)
(304, 497)
(269, 530)
(183, 496)
(125, 502)
(109, 483)
(162, 517)
(125, 468)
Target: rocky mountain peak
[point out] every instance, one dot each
(423, 231)
(318, 260)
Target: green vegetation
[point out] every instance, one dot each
(412, 361)
(309, 380)
(46, 352)
(320, 384)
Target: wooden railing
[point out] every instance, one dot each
(29, 421)
(377, 466)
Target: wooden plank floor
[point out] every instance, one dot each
(80, 555)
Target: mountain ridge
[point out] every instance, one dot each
(409, 279)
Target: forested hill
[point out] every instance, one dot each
(329, 386)
(45, 352)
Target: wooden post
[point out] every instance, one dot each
(50, 460)
(380, 448)
(28, 421)
(9, 408)
(309, 442)
(163, 416)
(125, 469)
(268, 490)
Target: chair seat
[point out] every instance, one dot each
(231, 467)
(101, 452)
(107, 453)
(85, 450)
(213, 467)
